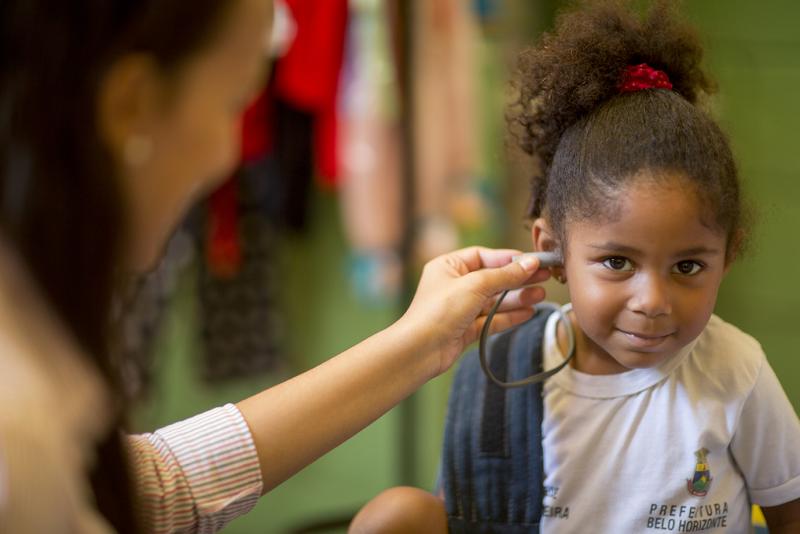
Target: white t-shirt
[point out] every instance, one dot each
(683, 447)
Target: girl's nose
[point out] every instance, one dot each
(651, 296)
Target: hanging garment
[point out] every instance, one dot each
(293, 130)
(295, 119)
(370, 184)
(307, 76)
(446, 124)
(240, 323)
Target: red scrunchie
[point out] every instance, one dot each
(643, 76)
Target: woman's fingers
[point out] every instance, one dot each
(457, 289)
(490, 282)
(500, 322)
(475, 258)
(517, 298)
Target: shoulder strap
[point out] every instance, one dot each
(492, 462)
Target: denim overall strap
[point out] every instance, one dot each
(492, 463)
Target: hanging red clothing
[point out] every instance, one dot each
(224, 248)
(308, 76)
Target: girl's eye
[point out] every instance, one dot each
(617, 263)
(688, 267)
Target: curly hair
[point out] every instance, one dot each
(587, 138)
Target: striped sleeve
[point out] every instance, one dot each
(196, 475)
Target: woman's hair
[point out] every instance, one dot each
(589, 139)
(60, 199)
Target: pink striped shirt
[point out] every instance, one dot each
(192, 476)
(196, 475)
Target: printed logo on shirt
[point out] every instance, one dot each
(686, 518)
(550, 508)
(700, 482)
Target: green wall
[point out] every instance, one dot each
(754, 52)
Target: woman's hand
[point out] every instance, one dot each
(458, 289)
(297, 421)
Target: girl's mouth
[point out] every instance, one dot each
(645, 341)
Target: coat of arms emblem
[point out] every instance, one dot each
(699, 483)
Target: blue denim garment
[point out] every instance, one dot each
(492, 462)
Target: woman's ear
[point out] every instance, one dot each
(128, 103)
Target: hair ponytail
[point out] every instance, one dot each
(587, 136)
(578, 66)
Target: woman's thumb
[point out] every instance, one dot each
(514, 274)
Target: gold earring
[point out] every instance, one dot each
(137, 150)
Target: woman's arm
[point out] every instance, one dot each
(296, 422)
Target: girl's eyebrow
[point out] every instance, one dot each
(611, 246)
(619, 248)
(698, 251)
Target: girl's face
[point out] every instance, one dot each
(194, 128)
(643, 285)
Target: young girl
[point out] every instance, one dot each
(667, 418)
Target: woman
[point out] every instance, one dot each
(114, 117)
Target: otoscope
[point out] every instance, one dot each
(546, 260)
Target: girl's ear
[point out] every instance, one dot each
(544, 240)
(542, 236)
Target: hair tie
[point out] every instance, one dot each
(643, 76)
